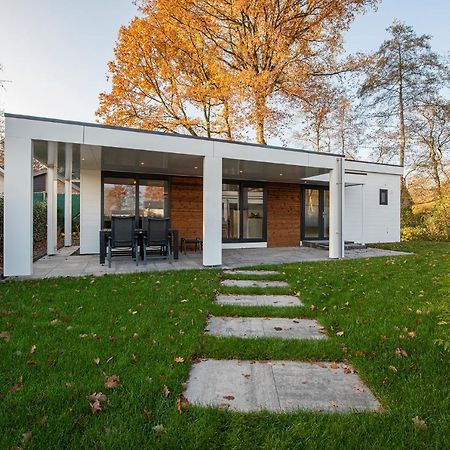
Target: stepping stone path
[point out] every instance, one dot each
(258, 300)
(251, 272)
(253, 283)
(254, 327)
(277, 386)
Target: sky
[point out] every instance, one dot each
(54, 53)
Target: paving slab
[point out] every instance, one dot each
(251, 272)
(278, 386)
(259, 327)
(258, 300)
(253, 283)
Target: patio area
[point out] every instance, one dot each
(67, 263)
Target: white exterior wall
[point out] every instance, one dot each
(366, 221)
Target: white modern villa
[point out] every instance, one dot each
(227, 194)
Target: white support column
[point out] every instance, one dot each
(363, 214)
(90, 199)
(18, 207)
(212, 211)
(337, 190)
(52, 197)
(68, 196)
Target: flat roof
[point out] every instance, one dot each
(187, 136)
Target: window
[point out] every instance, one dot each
(134, 197)
(243, 212)
(383, 196)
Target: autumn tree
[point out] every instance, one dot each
(216, 67)
(401, 73)
(432, 132)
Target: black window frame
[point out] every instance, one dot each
(384, 197)
(242, 184)
(136, 177)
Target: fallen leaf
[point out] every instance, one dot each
(393, 368)
(17, 386)
(182, 404)
(97, 361)
(228, 397)
(333, 403)
(134, 358)
(179, 359)
(277, 328)
(159, 429)
(112, 382)
(348, 370)
(340, 333)
(54, 321)
(333, 365)
(109, 359)
(33, 349)
(166, 391)
(412, 334)
(26, 437)
(147, 412)
(5, 336)
(400, 353)
(95, 401)
(419, 423)
(97, 396)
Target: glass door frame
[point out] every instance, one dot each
(242, 185)
(136, 177)
(321, 190)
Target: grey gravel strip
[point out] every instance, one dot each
(258, 300)
(253, 283)
(259, 327)
(251, 272)
(278, 386)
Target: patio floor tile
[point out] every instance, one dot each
(278, 386)
(260, 327)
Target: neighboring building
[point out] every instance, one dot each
(230, 194)
(40, 183)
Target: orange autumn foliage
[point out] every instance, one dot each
(223, 67)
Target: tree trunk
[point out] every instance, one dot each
(406, 200)
(435, 174)
(226, 116)
(260, 116)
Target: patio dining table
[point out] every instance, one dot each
(140, 234)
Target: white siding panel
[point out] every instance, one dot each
(381, 222)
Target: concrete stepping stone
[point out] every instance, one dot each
(251, 272)
(258, 300)
(258, 327)
(278, 386)
(253, 283)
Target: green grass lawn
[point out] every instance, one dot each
(137, 326)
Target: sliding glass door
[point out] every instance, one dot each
(315, 213)
(243, 212)
(138, 196)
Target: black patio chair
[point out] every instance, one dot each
(123, 236)
(157, 236)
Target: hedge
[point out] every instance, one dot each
(39, 221)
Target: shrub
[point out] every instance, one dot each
(39, 221)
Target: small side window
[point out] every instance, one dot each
(383, 196)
